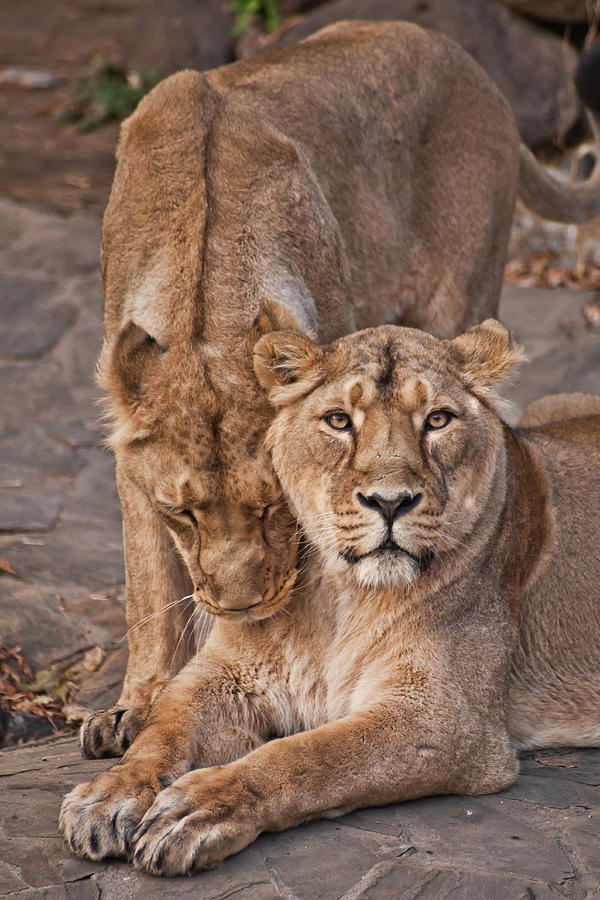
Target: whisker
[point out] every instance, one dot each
(181, 636)
(153, 615)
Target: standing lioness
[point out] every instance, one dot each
(367, 175)
(448, 609)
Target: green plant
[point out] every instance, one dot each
(109, 93)
(245, 10)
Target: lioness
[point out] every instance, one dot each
(447, 612)
(364, 176)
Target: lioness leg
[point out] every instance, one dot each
(156, 581)
(202, 718)
(366, 759)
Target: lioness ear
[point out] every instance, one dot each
(287, 365)
(487, 356)
(121, 371)
(273, 316)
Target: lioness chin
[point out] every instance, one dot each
(446, 614)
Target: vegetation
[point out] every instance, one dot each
(246, 10)
(109, 93)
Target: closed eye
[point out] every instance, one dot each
(176, 513)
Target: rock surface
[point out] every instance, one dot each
(60, 530)
(51, 165)
(533, 68)
(538, 839)
(554, 10)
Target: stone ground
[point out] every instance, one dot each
(60, 532)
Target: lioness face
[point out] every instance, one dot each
(385, 444)
(229, 523)
(198, 455)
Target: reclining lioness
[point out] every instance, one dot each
(365, 176)
(447, 612)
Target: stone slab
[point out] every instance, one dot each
(449, 847)
(30, 325)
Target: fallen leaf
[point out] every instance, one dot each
(92, 659)
(591, 311)
(559, 761)
(76, 714)
(7, 569)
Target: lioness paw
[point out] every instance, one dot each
(192, 826)
(98, 818)
(110, 732)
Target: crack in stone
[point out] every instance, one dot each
(20, 772)
(242, 887)
(41, 529)
(375, 874)
(29, 887)
(540, 805)
(278, 883)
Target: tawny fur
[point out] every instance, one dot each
(419, 648)
(365, 176)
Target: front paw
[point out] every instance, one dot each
(98, 818)
(109, 732)
(201, 819)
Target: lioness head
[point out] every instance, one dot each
(387, 442)
(189, 432)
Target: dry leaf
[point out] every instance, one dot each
(558, 761)
(591, 311)
(92, 659)
(7, 569)
(76, 714)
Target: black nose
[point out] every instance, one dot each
(390, 508)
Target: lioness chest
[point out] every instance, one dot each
(327, 658)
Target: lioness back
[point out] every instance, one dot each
(555, 684)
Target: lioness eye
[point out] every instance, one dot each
(438, 419)
(173, 513)
(339, 421)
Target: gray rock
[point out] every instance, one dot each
(554, 10)
(491, 847)
(28, 78)
(561, 358)
(31, 325)
(173, 36)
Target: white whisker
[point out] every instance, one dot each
(159, 612)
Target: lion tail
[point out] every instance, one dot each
(554, 199)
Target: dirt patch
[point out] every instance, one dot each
(53, 166)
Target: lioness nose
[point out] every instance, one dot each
(390, 507)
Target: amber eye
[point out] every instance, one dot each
(438, 419)
(339, 421)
